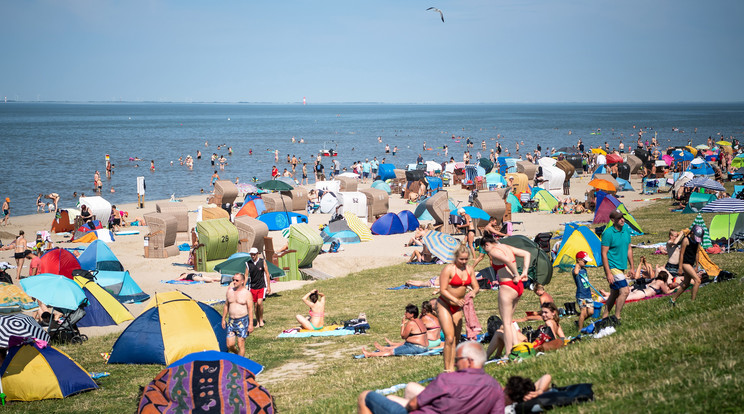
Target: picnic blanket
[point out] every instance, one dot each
(404, 286)
(435, 351)
(330, 330)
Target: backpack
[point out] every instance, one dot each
(522, 350)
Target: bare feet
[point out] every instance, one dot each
(378, 346)
(366, 354)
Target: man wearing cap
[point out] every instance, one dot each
(583, 294)
(616, 255)
(259, 282)
(688, 257)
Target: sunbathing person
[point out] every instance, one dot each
(412, 330)
(657, 286)
(423, 256)
(433, 282)
(418, 237)
(644, 270)
(316, 301)
(197, 277)
(433, 330)
(551, 328)
(520, 389)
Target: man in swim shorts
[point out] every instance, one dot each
(616, 255)
(6, 211)
(239, 308)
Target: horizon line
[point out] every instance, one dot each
(300, 103)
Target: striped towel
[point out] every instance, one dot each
(358, 226)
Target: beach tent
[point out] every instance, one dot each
(516, 206)
(36, 371)
(386, 171)
(172, 326)
(98, 206)
(382, 185)
(306, 241)
(486, 164)
(701, 168)
(630, 221)
(59, 262)
(409, 220)
(253, 206)
(605, 204)
(121, 286)
(98, 256)
(220, 240)
(228, 379)
(103, 235)
(602, 169)
(547, 201)
(62, 223)
(358, 226)
(624, 185)
(578, 238)
(388, 224)
(540, 267)
(329, 202)
(343, 236)
(723, 226)
(697, 201)
(103, 309)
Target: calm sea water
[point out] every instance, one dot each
(55, 147)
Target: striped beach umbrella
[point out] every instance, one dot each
(20, 325)
(706, 234)
(441, 245)
(724, 205)
(704, 182)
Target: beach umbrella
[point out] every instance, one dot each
(702, 147)
(20, 325)
(288, 180)
(14, 299)
(599, 151)
(473, 212)
(667, 159)
(54, 290)
(681, 155)
(613, 159)
(601, 184)
(382, 185)
(724, 205)
(723, 143)
(233, 265)
(275, 185)
(441, 245)
(486, 164)
(707, 183)
(244, 362)
(692, 149)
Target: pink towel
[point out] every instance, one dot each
(472, 326)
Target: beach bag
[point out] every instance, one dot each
(5, 277)
(556, 397)
(522, 350)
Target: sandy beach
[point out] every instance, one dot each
(381, 251)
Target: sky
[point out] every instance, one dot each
(391, 51)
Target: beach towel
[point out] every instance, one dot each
(435, 351)
(182, 282)
(472, 326)
(126, 232)
(397, 387)
(184, 247)
(704, 260)
(330, 330)
(404, 286)
(423, 263)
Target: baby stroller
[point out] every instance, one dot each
(65, 330)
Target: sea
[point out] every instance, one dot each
(57, 147)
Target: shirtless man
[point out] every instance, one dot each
(239, 308)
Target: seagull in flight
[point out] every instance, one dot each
(437, 10)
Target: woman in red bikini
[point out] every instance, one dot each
(504, 263)
(453, 284)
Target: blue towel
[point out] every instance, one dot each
(184, 247)
(182, 282)
(403, 286)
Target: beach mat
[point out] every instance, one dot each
(126, 232)
(403, 286)
(331, 330)
(182, 282)
(436, 351)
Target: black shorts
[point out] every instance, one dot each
(20, 255)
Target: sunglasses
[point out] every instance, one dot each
(237, 280)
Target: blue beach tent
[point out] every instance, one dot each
(409, 220)
(388, 224)
(98, 256)
(382, 185)
(386, 171)
(602, 169)
(121, 286)
(702, 168)
(343, 236)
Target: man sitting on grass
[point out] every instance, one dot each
(468, 390)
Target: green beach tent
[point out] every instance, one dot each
(541, 267)
(697, 201)
(547, 201)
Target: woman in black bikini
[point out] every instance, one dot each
(688, 253)
(453, 284)
(504, 263)
(469, 225)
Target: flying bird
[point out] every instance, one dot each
(437, 10)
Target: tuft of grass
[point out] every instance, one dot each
(662, 359)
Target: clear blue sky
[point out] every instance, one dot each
(373, 51)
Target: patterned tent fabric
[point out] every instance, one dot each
(706, 236)
(191, 388)
(357, 226)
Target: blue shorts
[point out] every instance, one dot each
(365, 175)
(619, 284)
(238, 327)
(585, 302)
(379, 404)
(409, 349)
